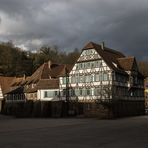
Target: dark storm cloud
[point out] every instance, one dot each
(121, 24)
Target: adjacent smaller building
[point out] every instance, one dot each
(42, 85)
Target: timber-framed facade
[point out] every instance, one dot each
(103, 74)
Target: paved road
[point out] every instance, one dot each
(74, 133)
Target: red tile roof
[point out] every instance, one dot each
(38, 74)
(110, 56)
(46, 76)
(61, 70)
(116, 60)
(17, 81)
(48, 84)
(5, 83)
(126, 63)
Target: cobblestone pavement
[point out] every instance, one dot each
(74, 133)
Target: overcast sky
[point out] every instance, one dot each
(69, 24)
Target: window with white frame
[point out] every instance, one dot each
(97, 77)
(73, 79)
(105, 76)
(77, 92)
(88, 92)
(83, 92)
(48, 94)
(97, 64)
(80, 92)
(92, 64)
(64, 80)
(81, 79)
(88, 78)
(97, 91)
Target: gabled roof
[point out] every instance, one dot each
(47, 71)
(25, 80)
(57, 71)
(126, 63)
(46, 76)
(43, 84)
(61, 70)
(98, 47)
(48, 84)
(17, 81)
(18, 90)
(110, 56)
(41, 73)
(5, 83)
(16, 86)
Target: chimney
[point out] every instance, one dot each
(102, 45)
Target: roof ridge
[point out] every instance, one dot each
(128, 57)
(98, 46)
(113, 51)
(45, 67)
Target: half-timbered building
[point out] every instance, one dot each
(102, 74)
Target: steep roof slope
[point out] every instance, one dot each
(17, 81)
(46, 76)
(61, 70)
(126, 63)
(16, 85)
(5, 83)
(110, 56)
(48, 84)
(41, 72)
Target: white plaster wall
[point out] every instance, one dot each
(40, 94)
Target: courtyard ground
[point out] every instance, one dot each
(74, 133)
